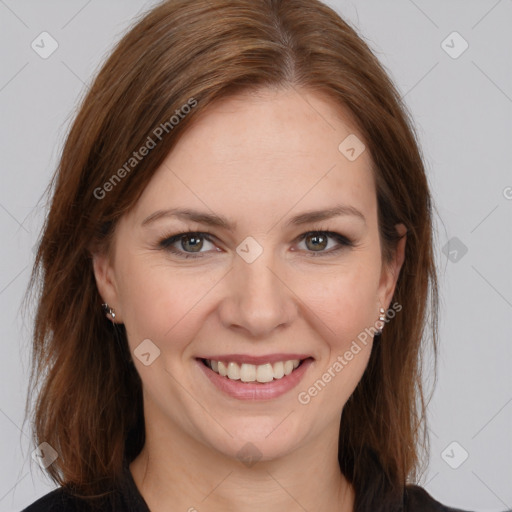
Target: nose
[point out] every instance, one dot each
(257, 299)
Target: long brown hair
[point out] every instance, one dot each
(89, 395)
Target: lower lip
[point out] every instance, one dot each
(256, 390)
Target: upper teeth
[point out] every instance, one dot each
(251, 373)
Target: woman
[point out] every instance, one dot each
(236, 272)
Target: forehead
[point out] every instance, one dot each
(263, 153)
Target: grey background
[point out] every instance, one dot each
(462, 109)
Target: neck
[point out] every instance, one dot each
(185, 475)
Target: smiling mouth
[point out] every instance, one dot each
(250, 373)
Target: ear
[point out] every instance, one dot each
(391, 271)
(106, 283)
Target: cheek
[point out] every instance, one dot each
(160, 302)
(344, 298)
(344, 307)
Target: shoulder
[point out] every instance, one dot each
(56, 500)
(121, 496)
(61, 500)
(417, 499)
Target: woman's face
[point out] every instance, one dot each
(254, 287)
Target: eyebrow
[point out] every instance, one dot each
(212, 219)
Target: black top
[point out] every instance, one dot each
(126, 498)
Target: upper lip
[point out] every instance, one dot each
(256, 360)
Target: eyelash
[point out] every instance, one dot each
(167, 242)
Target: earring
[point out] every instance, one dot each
(108, 310)
(382, 319)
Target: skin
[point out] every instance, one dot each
(258, 160)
